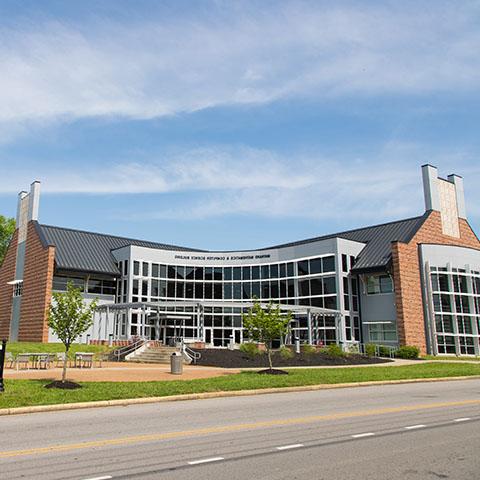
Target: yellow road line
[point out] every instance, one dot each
(232, 428)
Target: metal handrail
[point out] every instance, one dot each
(122, 352)
(391, 349)
(191, 353)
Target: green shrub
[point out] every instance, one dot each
(370, 349)
(383, 351)
(286, 353)
(250, 349)
(407, 352)
(335, 350)
(308, 349)
(353, 348)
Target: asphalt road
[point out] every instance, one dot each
(411, 431)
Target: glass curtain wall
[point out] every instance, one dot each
(310, 282)
(456, 309)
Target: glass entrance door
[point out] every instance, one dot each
(208, 336)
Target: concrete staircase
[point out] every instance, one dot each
(153, 354)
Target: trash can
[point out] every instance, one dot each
(297, 344)
(176, 363)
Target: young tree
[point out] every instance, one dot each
(69, 317)
(265, 325)
(7, 228)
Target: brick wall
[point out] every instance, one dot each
(406, 273)
(37, 288)
(7, 274)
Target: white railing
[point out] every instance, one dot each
(121, 352)
(191, 354)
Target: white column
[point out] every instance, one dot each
(309, 324)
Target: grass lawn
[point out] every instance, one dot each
(451, 358)
(19, 393)
(34, 347)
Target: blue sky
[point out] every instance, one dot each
(226, 124)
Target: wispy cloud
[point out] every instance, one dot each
(220, 181)
(234, 54)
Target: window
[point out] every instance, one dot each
(136, 268)
(329, 286)
(304, 288)
(379, 284)
(60, 283)
(290, 269)
(352, 261)
(94, 286)
(199, 273)
(217, 273)
(344, 263)
(265, 270)
(315, 266)
(18, 289)
(227, 273)
(316, 286)
(189, 273)
(237, 273)
(303, 267)
(273, 271)
(181, 272)
(154, 290)
(382, 332)
(328, 264)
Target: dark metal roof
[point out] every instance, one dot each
(88, 251)
(378, 238)
(92, 252)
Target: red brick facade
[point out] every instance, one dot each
(37, 288)
(406, 273)
(7, 274)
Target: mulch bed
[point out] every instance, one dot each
(67, 385)
(214, 357)
(272, 371)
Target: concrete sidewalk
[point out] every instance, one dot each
(122, 372)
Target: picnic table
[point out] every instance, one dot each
(84, 359)
(38, 359)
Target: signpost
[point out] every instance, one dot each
(3, 348)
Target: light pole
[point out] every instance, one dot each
(3, 348)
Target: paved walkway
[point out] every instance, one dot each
(122, 372)
(147, 372)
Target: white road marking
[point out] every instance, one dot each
(462, 419)
(206, 460)
(106, 477)
(288, 447)
(413, 427)
(361, 435)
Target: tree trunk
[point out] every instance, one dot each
(269, 353)
(64, 372)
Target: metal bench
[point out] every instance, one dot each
(23, 359)
(84, 360)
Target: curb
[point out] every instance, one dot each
(207, 395)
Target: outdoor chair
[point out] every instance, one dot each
(23, 359)
(102, 357)
(43, 361)
(84, 360)
(60, 359)
(9, 360)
